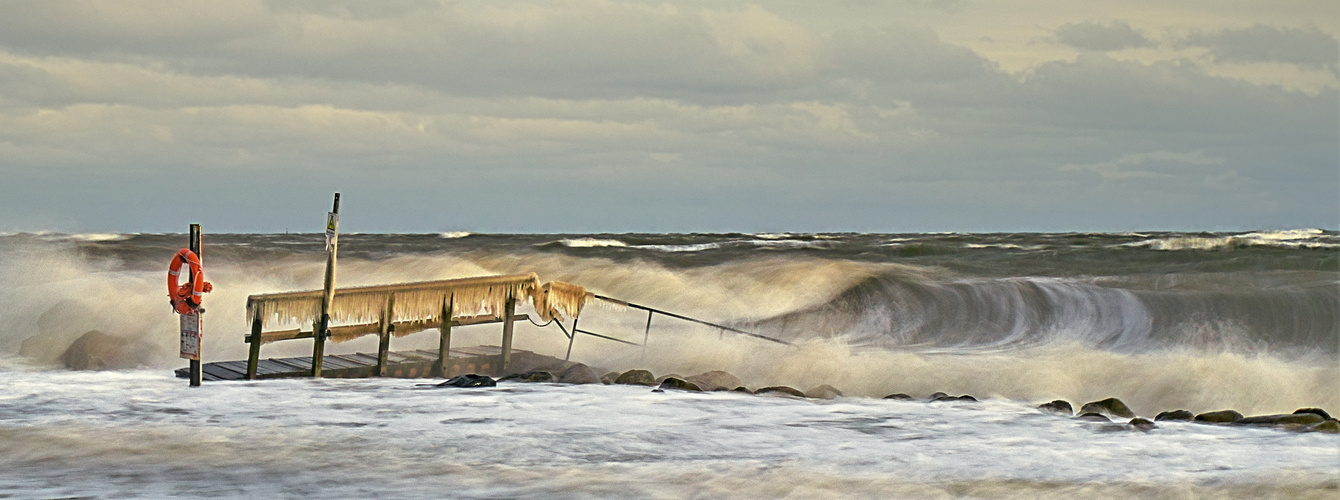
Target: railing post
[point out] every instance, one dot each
(571, 338)
(444, 339)
(319, 333)
(384, 342)
(646, 335)
(254, 354)
(508, 312)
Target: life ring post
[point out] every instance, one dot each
(322, 329)
(195, 247)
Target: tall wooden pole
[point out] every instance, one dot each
(384, 335)
(508, 312)
(444, 340)
(322, 328)
(195, 247)
(254, 353)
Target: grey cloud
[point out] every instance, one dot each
(1102, 37)
(1309, 47)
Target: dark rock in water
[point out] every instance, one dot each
(1330, 427)
(469, 380)
(966, 397)
(578, 374)
(945, 397)
(742, 389)
(679, 384)
(715, 380)
(1318, 411)
(780, 390)
(1142, 424)
(824, 391)
(1115, 428)
(899, 397)
(936, 395)
(1282, 419)
(1219, 417)
(95, 350)
(1093, 417)
(1111, 407)
(1174, 415)
(530, 376)
(672, 375)
(1060, 407)
(636, 377)
(609, 378)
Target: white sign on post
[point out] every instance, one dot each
(332, 223)
(190, 336)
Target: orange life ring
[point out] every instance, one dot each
(186, 297)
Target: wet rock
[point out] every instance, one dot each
(945, 397)
(679, 384)
(1174, 415)
(609, 378)
(530, 376)
(1093, 417)
(1114, 428)
(824, 391)
(936, 395)
(1059, 407)
(1331, 426)
(1111, 407)
(715, 380)
(95, 350)
(899, 397)
(1318, 411)
(780, 390)
(636, 377)
(1218, 417)
(742, 389)
(578, 374)
(672, 375)
(1142, 424)
(1282, 419)
(469, 380)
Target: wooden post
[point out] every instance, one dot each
(254, 354)
(571, 339)
(323, 322)
(384, 344)
(195, 247)
(508, 312)
(646, 335)
(444, 340)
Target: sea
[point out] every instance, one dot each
(1200, 321)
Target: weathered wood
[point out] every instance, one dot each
(319, 341)
(444, 339)
(413, 364)
(402, 328)
(384, 343)
(194, 365)
(508, 311)
(254, 351)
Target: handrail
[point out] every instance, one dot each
(686, 318)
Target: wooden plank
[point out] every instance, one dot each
(334, 363)
(352, 359)
(221, 373)
(237, 366)
(293, 363)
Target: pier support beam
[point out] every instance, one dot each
(323, 322)
(443, 367)
(508, 312)
(254, 353)
(387, 327)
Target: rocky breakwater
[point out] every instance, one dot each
(1107, 410)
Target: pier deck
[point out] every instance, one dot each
(484, 359)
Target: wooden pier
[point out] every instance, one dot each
(485, 360)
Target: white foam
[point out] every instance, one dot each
(591, 243)
(680, 248)
(451, 235)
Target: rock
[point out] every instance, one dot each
(579, 374)
(945, 397)
(679, 384)
(936, 395)
(1282, 419)
(636, 377)
(824, 391)
(1330, 427)
(1174, 415)
(742, 389)
(1142, 424)
(609, 378)
(1060, 407)
(469, 380)
(1093, 417)
(899, 397)
(1218, 417)
(1318, 411)
(530, 376)
(715, 380)
(780, 390)
(672, 375)
(1115, 428)
(95, 350)
(1111, 407)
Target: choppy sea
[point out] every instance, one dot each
(1198, 321)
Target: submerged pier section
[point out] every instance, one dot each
(400, 364)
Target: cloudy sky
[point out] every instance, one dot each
(614, 115)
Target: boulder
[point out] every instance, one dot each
(1111, 407)
(742, 389)
(899, 397)
(636, 377)
(936, 395)
(1093, 417)
(1174, 415)
(1059, 407)
(824, 391)
(469, 380)
(672, 375)
(1282, 419)
(1330, 427)
(715, 380)
(609, 378)
(1218, 417)
(579, 374)
(780, 390)
(679, 384)
(945, 397)
(1142, 424)
(1318, 411)
(530, 376)
(95, 350)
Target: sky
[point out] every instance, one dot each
(702, 116)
